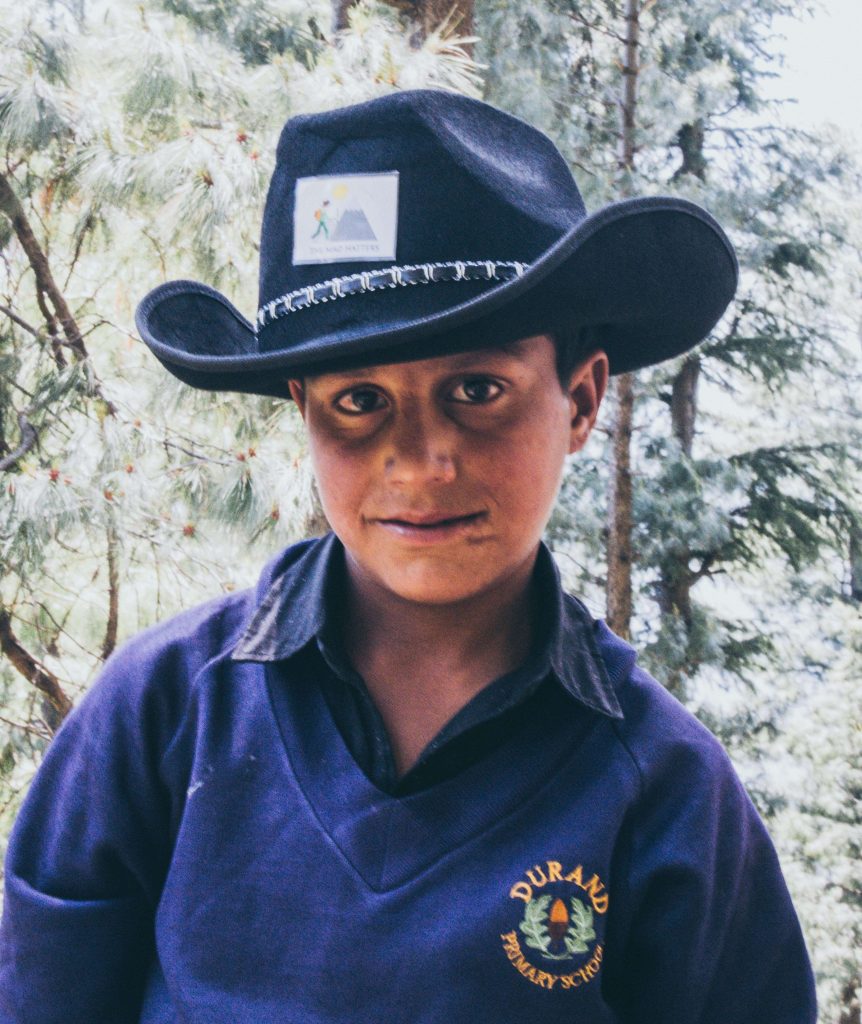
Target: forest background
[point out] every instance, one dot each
(716, 520)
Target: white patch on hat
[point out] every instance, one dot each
(345, 218)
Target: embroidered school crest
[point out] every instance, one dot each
(555, 941)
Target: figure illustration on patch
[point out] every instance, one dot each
(350, 225)
(321, 215)
(555, 940)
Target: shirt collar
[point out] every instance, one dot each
(298, 598)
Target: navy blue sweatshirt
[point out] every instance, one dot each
(200, 847)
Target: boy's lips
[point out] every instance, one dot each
(428, 518)
(430, 526)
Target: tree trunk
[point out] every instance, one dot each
(630, 70)
(851, 1009)
(674, 592)
(856, 563)
(619, 545)
(620, 517)
(431, 14)
(676, 577)
(113, 554)
(683, 403)
(690, 141)
(340, 17)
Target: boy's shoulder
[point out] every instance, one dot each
(152, 674)
(667, 745)
(209, 630)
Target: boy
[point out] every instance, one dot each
(407, 778)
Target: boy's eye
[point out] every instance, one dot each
(476, 390)
(359, 400)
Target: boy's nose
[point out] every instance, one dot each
(422, 449)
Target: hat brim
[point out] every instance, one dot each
(646, 278)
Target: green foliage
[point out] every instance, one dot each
(552, 63)
(259, 30)
(139, 140)
(783, 197)
(759, 481)
(796, 500)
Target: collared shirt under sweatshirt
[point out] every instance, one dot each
(201, 846)
(305, 615)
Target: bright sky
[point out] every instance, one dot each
(823, 67)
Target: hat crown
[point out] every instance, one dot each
(473, 184)
(422, 223)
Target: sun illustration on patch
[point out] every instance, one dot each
(554, 944)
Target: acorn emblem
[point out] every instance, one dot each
(556, 928)
(558, 920)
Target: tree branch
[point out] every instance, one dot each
(11, 206)
(29, 437)
(595, 26)
(13, 316)
(42, 678)
(41, 733)
(110, 641)
(51, 323)
(88, 224)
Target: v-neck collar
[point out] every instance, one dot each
(390, 840)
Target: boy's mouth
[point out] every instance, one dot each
(430, 526)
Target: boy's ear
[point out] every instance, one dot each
(297, 393)
(587, 386)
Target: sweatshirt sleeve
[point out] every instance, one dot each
(89, 850)
(711, 935)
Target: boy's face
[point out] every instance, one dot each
(439, 475)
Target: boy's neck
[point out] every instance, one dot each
(422, 663)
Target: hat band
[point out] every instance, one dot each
(390, 277)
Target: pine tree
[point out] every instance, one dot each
(745, 452)
(136, 143)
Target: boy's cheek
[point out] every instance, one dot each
(339, 493)
(326, 430)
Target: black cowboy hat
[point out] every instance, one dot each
(425, 222)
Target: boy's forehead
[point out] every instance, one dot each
(521, 349)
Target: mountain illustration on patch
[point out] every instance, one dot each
(353, 226)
